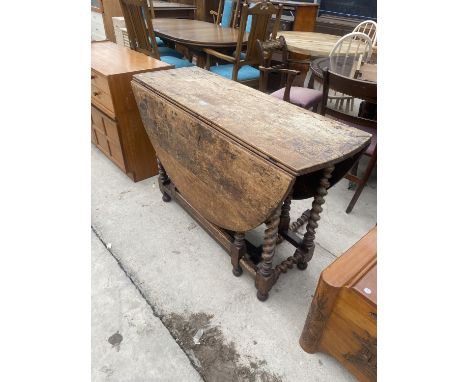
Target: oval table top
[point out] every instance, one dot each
(368, 71)
(196, 33)
(309, 43)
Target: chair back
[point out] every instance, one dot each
(349, 53)
(365, 90)
(266, 49)
(369, 28)
(260, 13)
(138, 20)
(226, 15)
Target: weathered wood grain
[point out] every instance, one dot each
(232, 187)
(292, 138)
(310, 43)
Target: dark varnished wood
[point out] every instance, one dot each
(305, 14)
(223, 173)
(342, 319)
(116, 123)
(196, 33)
(366, 91)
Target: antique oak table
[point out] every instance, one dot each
(309, 43)
(196, 35)
(234, 158)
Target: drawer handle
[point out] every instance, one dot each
(96, 94)
(93, 76)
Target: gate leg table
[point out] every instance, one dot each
(234, 165)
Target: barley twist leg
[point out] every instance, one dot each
(265, 273)
(306, 250)
(163, 180)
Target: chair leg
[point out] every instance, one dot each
(362, 184)
(353, 171)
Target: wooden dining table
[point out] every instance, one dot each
(366, 72)
(309, 43)
(196, 35)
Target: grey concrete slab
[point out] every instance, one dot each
(128, 342)
(185, 275)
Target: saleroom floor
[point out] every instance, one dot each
(166, 307)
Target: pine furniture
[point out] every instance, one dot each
(116, 127)
(234, 158)
(342, 319)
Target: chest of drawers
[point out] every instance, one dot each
(342, 319)
(116, 127)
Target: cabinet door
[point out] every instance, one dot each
(106, 137)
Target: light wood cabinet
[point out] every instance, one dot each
(116, 127)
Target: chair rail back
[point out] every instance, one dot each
(364, 90)
(138, 20)
(349, 52)
(369, 28)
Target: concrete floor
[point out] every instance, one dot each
(165, 306)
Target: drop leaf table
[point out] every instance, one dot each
(234, 158)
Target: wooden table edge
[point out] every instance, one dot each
(259, 152)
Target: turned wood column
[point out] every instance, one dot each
(163, 180)
(306, 250)
(265, 277)
(237, 252)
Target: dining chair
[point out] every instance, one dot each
(141, 34)
(346, 57)
(369, 28)
(226, 15)
(303, 97)
(242, 69)
(366, 91)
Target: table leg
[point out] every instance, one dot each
(201, 59)
(237, 252)
(306, 250)
(307, 78)
(284, 217)
(163, 180)
(265, 277)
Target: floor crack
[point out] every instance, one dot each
(153, 310)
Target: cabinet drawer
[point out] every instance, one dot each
(100, 81)
(100, 97)
(106, 137)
